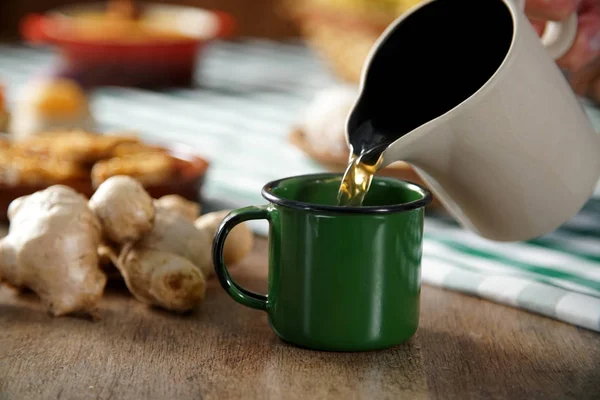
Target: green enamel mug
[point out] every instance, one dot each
(340, 278)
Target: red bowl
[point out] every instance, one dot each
(149, 63)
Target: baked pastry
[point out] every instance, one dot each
(77, 145)
(18, 168)
(128, 148)
(49, 158)
(47, 105)
(148, 168)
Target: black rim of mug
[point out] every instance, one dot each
(426, 197)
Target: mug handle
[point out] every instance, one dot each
(558, 36)
(238, 293)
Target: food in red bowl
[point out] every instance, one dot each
(83, 160)
(151, 45)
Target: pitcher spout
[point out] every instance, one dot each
(425, 147)
(422, 145)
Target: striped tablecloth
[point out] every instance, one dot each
(251, 94)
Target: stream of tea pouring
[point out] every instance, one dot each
(359, 175)
(495, 132)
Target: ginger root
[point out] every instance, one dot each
(108, 255)
(167, 265)
(175, 202)
(61, 246)
(239, 242)
(162, 279)
(124, 208)
(174, 233)
(51, 248)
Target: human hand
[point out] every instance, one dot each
(582, 61)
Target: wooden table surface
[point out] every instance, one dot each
(465, 348)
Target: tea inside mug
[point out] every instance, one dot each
(324, 191)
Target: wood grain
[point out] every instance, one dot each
(465, 348)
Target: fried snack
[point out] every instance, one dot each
(147, 168)
(127, 148)
(77, 146)
(4, 144)
(18, 168)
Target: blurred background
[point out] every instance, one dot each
(259, 18)
(341, 32)
(238, 90)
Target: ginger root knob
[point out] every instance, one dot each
(124, 208)
(162, 279)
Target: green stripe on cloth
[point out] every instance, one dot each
(447, 256)
(523, 257)
(507, 262)
(536, 297)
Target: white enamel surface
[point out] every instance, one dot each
(518, 158)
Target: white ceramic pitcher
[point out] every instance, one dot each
(505, 145)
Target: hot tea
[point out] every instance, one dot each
(359, 175)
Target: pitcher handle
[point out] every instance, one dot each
(558, 36)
